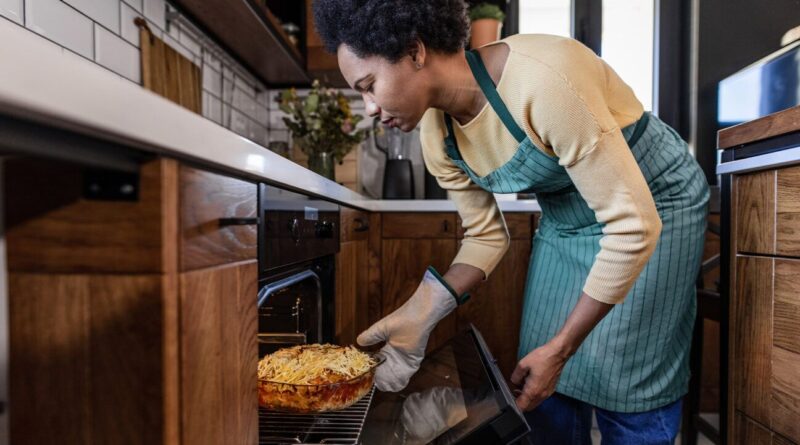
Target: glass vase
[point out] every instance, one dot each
(322, 164)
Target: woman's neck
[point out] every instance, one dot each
(455, 90)
(458, 93)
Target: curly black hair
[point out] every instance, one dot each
(388, 28)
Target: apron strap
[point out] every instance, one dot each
(490, 91)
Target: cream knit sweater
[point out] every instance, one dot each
(572, 105)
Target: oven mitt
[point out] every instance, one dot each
(428, 414)
(407, 329)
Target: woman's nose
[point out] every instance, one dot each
(371, 107)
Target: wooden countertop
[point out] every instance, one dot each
(775, 124)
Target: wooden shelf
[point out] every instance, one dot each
(253, 34)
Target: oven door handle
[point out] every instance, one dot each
(271, 288)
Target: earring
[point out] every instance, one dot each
(419, 66)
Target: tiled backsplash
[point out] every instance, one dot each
(103, 31)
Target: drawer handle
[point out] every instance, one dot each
(445, 225)
(225, 222)
(361, 225)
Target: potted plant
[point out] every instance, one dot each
(487, 20)
(322, 124)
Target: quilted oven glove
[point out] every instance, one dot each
(407, 329)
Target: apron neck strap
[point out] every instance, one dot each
(487, 85)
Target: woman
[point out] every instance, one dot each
(609, 302)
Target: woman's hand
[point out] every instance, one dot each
(538, 373)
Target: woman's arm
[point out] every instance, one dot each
(538, 372)
(463, 278)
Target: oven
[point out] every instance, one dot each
(297, 242)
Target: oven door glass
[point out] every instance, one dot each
(458, 396)
(289, 312)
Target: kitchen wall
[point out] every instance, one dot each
(102, 32)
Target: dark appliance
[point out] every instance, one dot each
(398, 174)
(459, 381)
(767, 86)
(298, 238)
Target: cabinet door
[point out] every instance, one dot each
(785, 398)
(403, 263)
(219, 355)
(749, 433)
(752, 337)
(787, 218)
(351, 291)
(754, 212)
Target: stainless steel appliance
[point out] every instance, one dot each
(398, 174)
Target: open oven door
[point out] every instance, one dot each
(458, 396)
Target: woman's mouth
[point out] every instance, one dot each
(389, 122)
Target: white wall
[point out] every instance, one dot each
(103, 32)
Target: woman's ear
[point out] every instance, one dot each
(418, 54)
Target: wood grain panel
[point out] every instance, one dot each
(168, 73)
(755, 212)
(86, 352)
(787, 218)
(785, 400)
(775, 124)
(49, 359)
(520, 225)
(786, 317)
(496, 306)
(419, 225)
(354, 225)
(404, 263)
(352, 275)
(749, 432)
(752, 331)
(779, 440)
(374, 280)
(205, 198)
(239, 362)
(219, 354)
(50, 227)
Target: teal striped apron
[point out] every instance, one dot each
(636, 359)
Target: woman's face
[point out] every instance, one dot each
(395, 92)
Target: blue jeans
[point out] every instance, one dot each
(561, 420)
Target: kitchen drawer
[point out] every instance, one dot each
(755, 212)
(787, 218)
(217, 219)
(354, 225)
(520, 225)
(419, 225)
(785, 394)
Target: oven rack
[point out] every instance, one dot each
(341, 427)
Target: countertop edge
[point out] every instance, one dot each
(777, 159)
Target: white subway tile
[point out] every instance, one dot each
(116, 54)
(245, 84)
(212, 80)
(260, 135)
(155, 11)
(190, 41)
(238, 123)
(244, 103)
(135, 4)
(212, 108)
(210, 59)
(59, 22)
(227, 90)
(12, 10)
(262, 115)
(129, 30)
(104, 12)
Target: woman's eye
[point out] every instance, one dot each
(369, 88)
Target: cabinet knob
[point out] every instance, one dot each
(445, 226)
(361, 225)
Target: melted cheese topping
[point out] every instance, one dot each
(314, 364)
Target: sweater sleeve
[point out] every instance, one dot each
(576, 122)
(486, 237)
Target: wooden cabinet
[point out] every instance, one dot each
(130, 321)
(411, 242)
(352, 276)
(765, 308)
